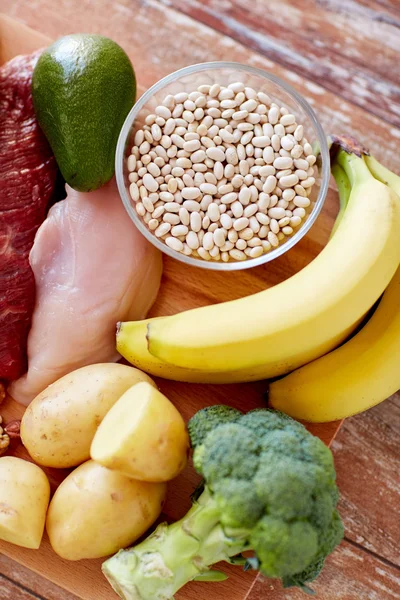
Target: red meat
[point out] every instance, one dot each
(28, 174)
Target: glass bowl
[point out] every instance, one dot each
(187, 80)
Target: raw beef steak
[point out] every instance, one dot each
(28, 174)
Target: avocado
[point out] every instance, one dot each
(83, 87)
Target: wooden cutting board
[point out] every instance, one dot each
(182, 288)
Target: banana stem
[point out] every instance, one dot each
(354, 167)
(383, 174)
(344, 189)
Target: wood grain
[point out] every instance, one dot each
(12, 591)
(367, 459)
(347, 47)
(30, 581)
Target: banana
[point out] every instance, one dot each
(132, 345)
(307, 315)
(383, 174)
(362, 372)
(351, 379)
(344, 187)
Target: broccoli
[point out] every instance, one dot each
(269, 488)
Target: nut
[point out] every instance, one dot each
(12, 429)
(4, 439)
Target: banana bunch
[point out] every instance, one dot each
(362, 372)
(303, 318)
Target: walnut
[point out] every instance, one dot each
(4, 439)
(13, 429)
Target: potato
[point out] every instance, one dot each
(24, 498)
(96, 512)
(59, 425)
(142, 436)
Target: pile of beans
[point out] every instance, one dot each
(221, 173)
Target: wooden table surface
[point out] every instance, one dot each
(343, 56)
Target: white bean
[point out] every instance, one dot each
(295, 221)
(179, 230)
(158, 212)
(195, 221)
(301, 201)
(283, 162)
(273, 240)
(192, 240)
(192, 145)
(269, 184)
(213, 212)
(226, 221)
(240, 115)
(250, 210)
(298, 133)
(231, 156)
(288, 119)
(171, 218)
(219, 170)
(208, 240)
(253, 118)
(219, 237)
(229, 198)
(299, 212)
(240, 223)
(309, 182)
(261, 141)
(288, 181)
(241, 244)
(163, 229)
(163, 111)
(134, 192)
(208, 188)
(191, 205)
(202, 252)
(198, 156)
(237, 254)
(256, 252)
(245, 127)
(237, 181)
(229, 171)
(150, 183)
(226, 136)
(249, 105)
(206, 222)
(215, 154)
(237, 209)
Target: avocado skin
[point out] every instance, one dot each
(83, 87)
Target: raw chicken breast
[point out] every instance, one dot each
(92, 268)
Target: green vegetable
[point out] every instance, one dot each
(269, 487)
(83, 87)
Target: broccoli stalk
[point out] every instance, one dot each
(269, 488)
(174, 555)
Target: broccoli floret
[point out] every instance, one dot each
(218, 456)
(269, 487)
(285, 487)
(208, 419)
(332, 536)
(283, 547)
(238, 502)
